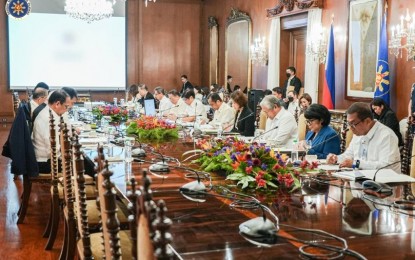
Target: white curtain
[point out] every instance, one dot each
(274, 54)
(311, 65)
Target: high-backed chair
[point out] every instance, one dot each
(262, 120)
(346, 135)
(57, 189)
(302, 127)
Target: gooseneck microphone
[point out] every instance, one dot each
(167, 109)
(382, 189)
(162, 166)
(266, 132)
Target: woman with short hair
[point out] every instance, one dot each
(323, 138)
(244, 119)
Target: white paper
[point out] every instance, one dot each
(383, 176)
(94, 140)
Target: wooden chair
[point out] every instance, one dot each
(302, 127)
(346, 135)
(262, 120)
(68, 248)
(153, 239)
(42, 178)
(57, 189)
(54, 215)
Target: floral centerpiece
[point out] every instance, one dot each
(253, 165)
(152, 128)
(114, 112)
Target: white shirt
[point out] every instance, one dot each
(41, 134)
(292, 106)
(196, 108)
(33, 106)
(179, 108)
(286, 132)
(164, 105)
(376, 149)
(225, 116)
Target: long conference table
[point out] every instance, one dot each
(210, 230)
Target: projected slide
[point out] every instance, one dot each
(62, 51)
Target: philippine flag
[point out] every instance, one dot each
(329, 96)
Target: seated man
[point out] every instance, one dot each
(144, 94)
(224, 115)
(194, 109)
(179, 107)
(73, 95)
(164, 103)
(373, 146)
(58, 102)
(279, 119)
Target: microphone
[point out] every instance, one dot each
(266, 132)
(139, 152)
(167, 109)
(379, 189)
(162, 166)
(195, 190)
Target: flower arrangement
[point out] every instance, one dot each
(253, 166)
(116, 113)
(152, 128)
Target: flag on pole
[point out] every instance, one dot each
(382, 88)
(329, 97)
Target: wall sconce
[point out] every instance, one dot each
(317, 46)
(259, 52)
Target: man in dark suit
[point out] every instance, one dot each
(292, 81)
(144, 94)
(186, 85)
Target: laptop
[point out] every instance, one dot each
(149, 107)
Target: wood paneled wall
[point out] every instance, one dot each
(171, 37)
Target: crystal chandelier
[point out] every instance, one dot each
(259, 53)
(89, 10)
(317, 46)
(146, 1)
(403, 37)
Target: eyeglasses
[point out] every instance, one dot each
(309, 121)
(353, 125)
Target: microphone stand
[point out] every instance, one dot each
(266, 132)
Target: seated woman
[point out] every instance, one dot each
(244, 123)
(324, 139)
(305, 102)
(133, 92)
(384, 114)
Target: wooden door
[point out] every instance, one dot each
(292, 52)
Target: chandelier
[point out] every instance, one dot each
(146, 1)
(403, 37)
(259, 53)
(89, 10)
(317, 46)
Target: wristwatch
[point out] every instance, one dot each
(356, 164)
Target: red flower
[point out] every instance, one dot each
(261, 183)
(248, 169)
(276, 167)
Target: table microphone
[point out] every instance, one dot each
(377, 187)
(139, 152)
(162, 166)
(265, 132)
(195, 190)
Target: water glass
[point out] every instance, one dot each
(128, 145)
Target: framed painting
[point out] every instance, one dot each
(364, 27)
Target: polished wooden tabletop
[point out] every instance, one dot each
(210, 230)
